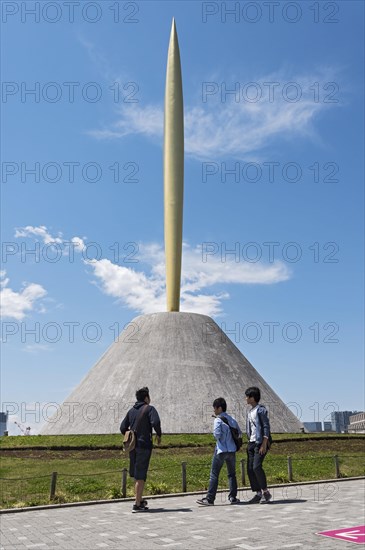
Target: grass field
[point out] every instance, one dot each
(114, 440)
(90, 467)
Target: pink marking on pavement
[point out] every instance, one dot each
(350, 534)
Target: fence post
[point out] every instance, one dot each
(124, 482)
(52, 492)
(183, 474)
(337, 466)
(290, 469)
(243, 476)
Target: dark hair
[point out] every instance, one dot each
(220, 402)
(254, 392)
(142, 394)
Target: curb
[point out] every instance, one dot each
(169, 495)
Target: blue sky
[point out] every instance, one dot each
(273, 171)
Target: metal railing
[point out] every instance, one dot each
(59, 487)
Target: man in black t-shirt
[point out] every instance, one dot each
(141, 418)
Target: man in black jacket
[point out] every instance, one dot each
(141, 418)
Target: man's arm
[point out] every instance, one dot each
(125, 424)
(248, 428)
(264, 419)
(155, 421)
(265, 424)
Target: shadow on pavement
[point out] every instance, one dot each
(169, 510)
(286, 501)
(276, 501)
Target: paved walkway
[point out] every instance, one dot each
(292, 520)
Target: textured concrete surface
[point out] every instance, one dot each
(292, 520)
(186, 360)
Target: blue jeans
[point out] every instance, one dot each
(217, 463)
(255, 470)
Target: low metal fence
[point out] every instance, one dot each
(59, 487)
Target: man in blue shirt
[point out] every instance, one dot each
(225, 452)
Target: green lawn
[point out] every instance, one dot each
(115, 440)
(95, 441)
(90, 467)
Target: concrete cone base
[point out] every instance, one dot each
(186, 360)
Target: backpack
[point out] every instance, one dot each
(130, 436)
(234, 433)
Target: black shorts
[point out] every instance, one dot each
(139, 460)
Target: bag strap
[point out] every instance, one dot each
(225, 421)
(253, 422)
(261, 424)
(251, 419)
(139, 418)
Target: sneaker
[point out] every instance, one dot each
(255, 500)
(144, 502)
(234, 500)
(139, 508)
(266, 497)
(205, 502)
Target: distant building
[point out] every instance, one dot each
(313, 426)
(327, 426)
(357, 423)
(340, 420)
(3, 422)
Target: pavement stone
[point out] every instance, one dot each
(290, 521)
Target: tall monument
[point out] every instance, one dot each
(185, 359)
(173, 171)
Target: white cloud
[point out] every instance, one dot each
(143, 289)
(134, 119)
(16, 305)
(216, 129)
(41, 232)
(79, 243)
(101, 63)
(134, 289)
(3, 280)
(147, 294)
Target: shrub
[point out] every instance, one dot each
(158, 488)
(84, 485)
(60, 498)
(115, 492)
(280, 477)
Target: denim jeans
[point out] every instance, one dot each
(255, 471)
(217, 463)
